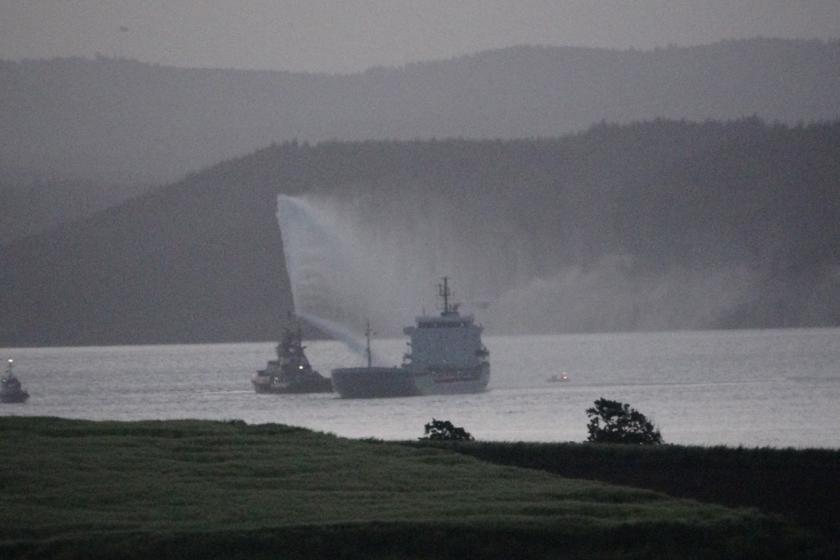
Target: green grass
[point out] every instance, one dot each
(170, 489)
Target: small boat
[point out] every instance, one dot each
(10, 388)
(291, 371)
(558, 378)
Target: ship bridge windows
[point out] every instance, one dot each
(443, 324)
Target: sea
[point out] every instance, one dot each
(752, 388)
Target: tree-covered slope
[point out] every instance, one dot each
(656, 225)
(31, 204)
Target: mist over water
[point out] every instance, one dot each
(362, 255)
(325, 273)
(315, 256)
(613, 294)
(345, 270)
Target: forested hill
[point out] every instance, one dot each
(30, 203)
(128, 122)
(657, 225)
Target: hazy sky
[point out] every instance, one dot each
(351, 35)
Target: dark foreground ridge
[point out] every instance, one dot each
(171, 489)
(798, 484)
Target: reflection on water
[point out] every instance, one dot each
(753, 388)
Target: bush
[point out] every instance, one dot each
(615, 422)
(445, 431)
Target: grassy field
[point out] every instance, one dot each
(201, 489)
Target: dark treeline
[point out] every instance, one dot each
(660, 225)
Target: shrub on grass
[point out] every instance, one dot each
(446, 431)
(615, 422)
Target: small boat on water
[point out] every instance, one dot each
(291, 371)
(10, 388)
(555, 378)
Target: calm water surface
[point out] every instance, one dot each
(752, 388)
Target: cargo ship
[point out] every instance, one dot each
(445, 356)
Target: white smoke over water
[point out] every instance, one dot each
(612, 295)
(354, 258)
(348, 268)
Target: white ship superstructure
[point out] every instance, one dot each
(446, 354)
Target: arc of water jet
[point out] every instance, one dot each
(341, 333)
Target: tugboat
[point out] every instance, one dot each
(290, 372)
(446, 356)
(10, 389)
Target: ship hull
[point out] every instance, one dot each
(311, 384)
(373, 382)
(453, 381)
(379, 382)
(14, 397)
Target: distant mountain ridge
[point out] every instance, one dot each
(128, 122)
(655, 225)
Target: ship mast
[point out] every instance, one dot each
(368, 332)
(443, 291)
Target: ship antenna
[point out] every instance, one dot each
(443, 291)
(368, 332)
(289, 325)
